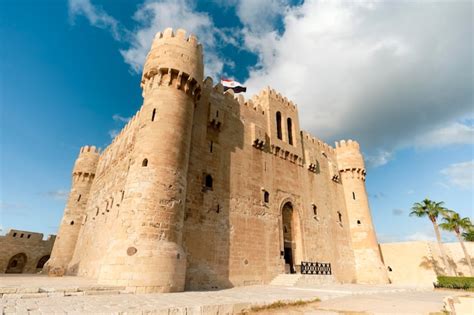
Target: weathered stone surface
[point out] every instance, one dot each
(24, 251)
(203, 190)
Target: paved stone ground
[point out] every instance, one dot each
(335, 298)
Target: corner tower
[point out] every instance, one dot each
(146, 254)
(369, 266)
(82, 177)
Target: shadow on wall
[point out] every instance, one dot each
(208, 204)
(429, 263)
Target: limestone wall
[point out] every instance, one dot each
(232, 236)
(103, 210)
(418, 263)
(32, 245)
(199, 179)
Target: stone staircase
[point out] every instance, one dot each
(296, 279)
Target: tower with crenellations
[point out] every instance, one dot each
(203, 189)
(368, 262)
(82, 177)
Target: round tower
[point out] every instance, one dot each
(148, 256)
(82, 178)
(368, 260)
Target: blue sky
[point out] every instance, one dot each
(397, 77)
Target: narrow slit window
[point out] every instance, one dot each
(353, 195)
(266, 196)
(208, 181)
(211, 146)
(315, 209)
(278, 123)
(290, 131)
(79, 198)
(339, 216)
(153, 114)
(145, 163)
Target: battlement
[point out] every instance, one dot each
(89, 149)
(349, 144)
(155, 77)
(349, 158)
(86, 162)
(324, 147)
(28, 236)
(269, 92)
(174, 54)
(180, 35)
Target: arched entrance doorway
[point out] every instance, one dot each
(41, 262)
(16, 264)
(290, 227)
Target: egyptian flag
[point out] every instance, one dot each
(233, 85)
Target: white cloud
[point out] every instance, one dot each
(421, 236)
(60, 194)
(118, 118)
(379, 158)
(460, 174)
(113, 133)
(382, 72)
(96, 16)
(454, 133)
(155, 16)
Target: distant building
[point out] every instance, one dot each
(205, 190)
(24, 251)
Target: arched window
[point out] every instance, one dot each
(290, 131)
(208, 181)
(278, 122)
(145, 163)
(153, 114)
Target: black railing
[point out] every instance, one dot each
(315, 268)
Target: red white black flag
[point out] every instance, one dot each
(233, 85)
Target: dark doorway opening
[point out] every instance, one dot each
(289, 244)
(16, 264)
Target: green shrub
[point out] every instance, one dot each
(464, 283)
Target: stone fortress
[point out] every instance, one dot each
(206, 190)
(24, 251)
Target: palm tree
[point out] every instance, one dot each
(469, 235)
(432, 209)
(454, 223)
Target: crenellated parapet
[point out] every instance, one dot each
(276, 96)
(86, 164)
(174, 60)
(171, 77)
(350, 160)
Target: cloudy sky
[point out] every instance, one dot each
(396, 76)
